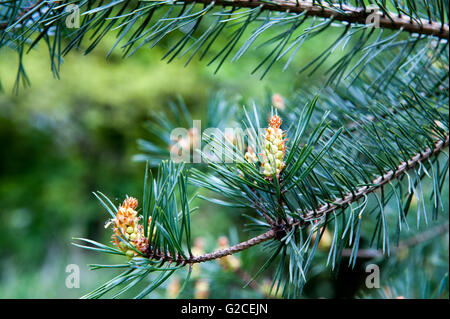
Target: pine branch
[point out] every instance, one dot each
(340, 12)
(25, 25)
(379, 182)
(325, 209)
(214, 255)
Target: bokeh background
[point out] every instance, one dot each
(61, 139)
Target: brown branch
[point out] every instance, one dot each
(343, 13)
(379, 182)
(337, 12)
(234, 249)
(217, 254)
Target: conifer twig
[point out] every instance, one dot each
(376, 183)
(338, 12)
(217, 254)
(343, 13)
(324, 209)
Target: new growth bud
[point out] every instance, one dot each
(275, 148)
(127, 228)
(272, 155)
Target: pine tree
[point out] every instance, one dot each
(347, 162)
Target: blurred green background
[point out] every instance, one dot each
(62, 139)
